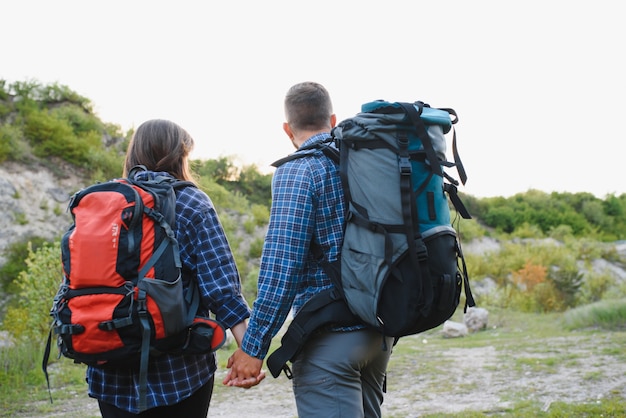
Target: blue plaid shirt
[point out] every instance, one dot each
(307, 203)
(206, 255)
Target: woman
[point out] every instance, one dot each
(178, 385)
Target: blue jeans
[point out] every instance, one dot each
(341, 374)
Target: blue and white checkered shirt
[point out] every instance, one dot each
(205, 254)
(307, 203)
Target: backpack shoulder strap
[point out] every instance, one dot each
(181, 184)
(324, 146)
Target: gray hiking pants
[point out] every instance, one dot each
(341, 375)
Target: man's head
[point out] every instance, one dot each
(308, 109)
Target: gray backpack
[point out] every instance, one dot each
(401, 269)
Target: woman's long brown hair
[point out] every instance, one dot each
(160, 145)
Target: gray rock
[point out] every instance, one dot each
(453, 329)
(476, 318)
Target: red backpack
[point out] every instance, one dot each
(122, 299)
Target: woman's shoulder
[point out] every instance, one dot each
(191, 197)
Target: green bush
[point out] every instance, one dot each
(527, 230)
(28, 315)
(256, 248)
(105, 165)
(222, 198)
(249, 225)
(249, 284)
(566, 280)
(16, 255)
(503, 218)
(246, 181)
(53, 136)
(469, 229)
(561, 233)
(13, 146)
(260, 214)
(80, 121)
(594, 288)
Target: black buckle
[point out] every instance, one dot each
(405, 166)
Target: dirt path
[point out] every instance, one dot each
(571, 370)
(576, 369)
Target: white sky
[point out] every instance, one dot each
(539, 85)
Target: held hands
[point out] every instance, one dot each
(244, 370)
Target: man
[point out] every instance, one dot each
(339, 373)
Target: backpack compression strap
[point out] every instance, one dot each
(416, 245)
(414, 116)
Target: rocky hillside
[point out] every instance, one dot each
(33, 200)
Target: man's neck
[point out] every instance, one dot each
(303, 136)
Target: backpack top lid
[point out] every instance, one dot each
(430, 116)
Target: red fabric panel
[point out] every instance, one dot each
(93, 262)
(89, 311)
